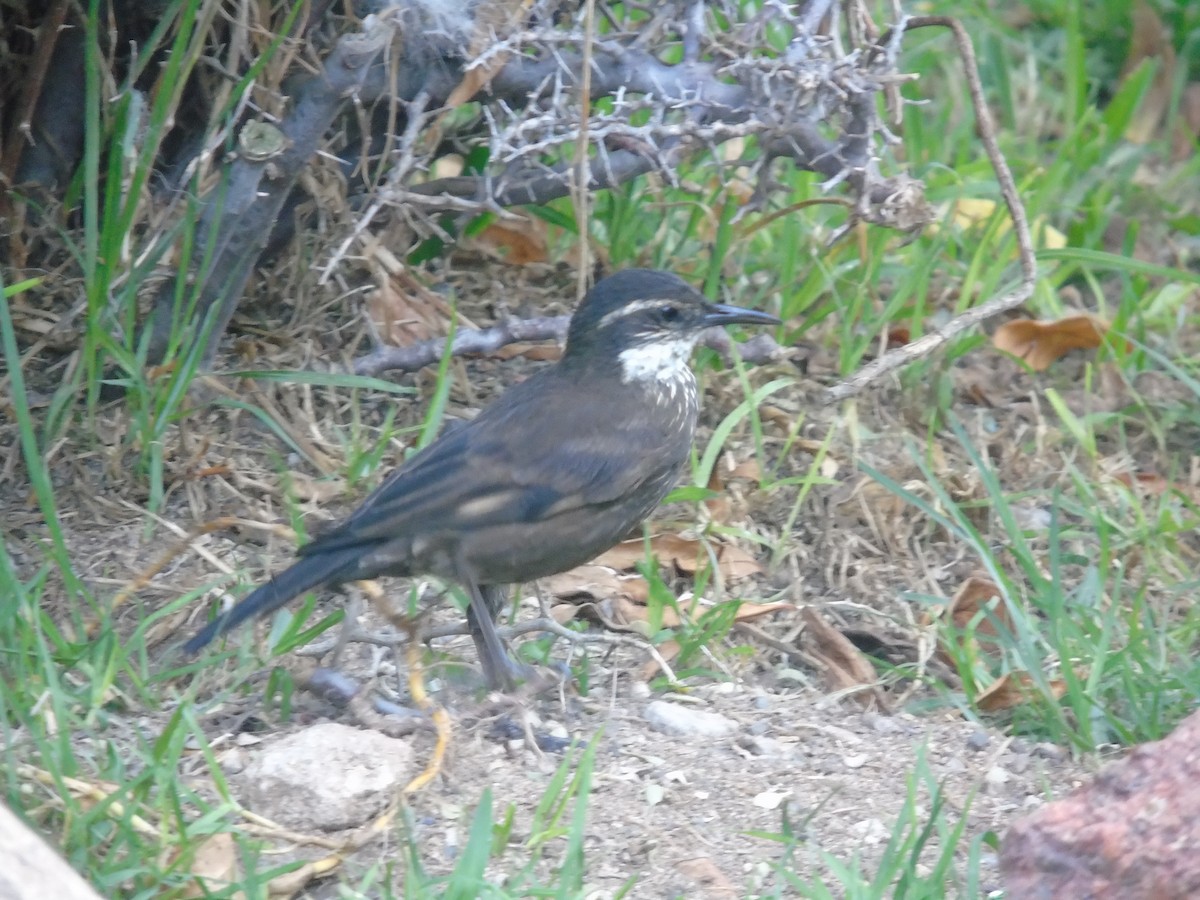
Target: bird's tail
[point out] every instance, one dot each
(306, 573)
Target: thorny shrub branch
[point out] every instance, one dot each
(923, 346)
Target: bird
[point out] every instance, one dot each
(555, 471)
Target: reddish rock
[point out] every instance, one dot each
(1133, 833)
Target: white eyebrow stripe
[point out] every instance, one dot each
(634, 307)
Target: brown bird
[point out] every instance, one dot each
(554, 472)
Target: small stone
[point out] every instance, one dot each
(655, 794)
(767, 747)
(234, 761)
(870, 831)
(762, 701)
(997, 776)
(327, 777)
(758, 727)
(953, 766)
(1019, 747)
(639, 690)
(978, 740)
(882, 724)
(1052, 752)
(794, 675)
(857, 761)
(1019, 764)
(672, 718)
(770, 799)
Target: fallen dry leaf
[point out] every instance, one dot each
(214, 866)
(597, 582)
(525, 350)
(405, 311)
(720, 506)
(971, 598)
(517, 243)
(846, 668)
(1150, 45)
(708, 879)
(688, 555)
(972, 602)
(1039, 344)
(749, 469)
(1012, 690)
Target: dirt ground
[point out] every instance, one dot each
(679, 812)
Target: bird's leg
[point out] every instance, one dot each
(501, 671)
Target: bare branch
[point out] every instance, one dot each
(901, 356)
(469, 341)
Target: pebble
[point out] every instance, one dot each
(765, 746)
(770, 799)
(978, 740)
(882, 724)
(759, 727)
(997, 776)
(1052, 752)
(234, 761)
(681, 721)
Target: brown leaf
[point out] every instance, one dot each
(718, 507)
(973, 597)
(405, 311)
(597, 582)
(734, 562)
(1039, 344)
(707, 878)
(1012, 690)
(687, 555)
(1150, 45)
(750, 470)
(215, 863)
(525, 350)
(748, 612)
(846, 667)
(517, 243)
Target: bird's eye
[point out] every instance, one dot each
(668, 313)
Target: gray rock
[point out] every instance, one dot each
(1133, 831)
(329, 777)
(978, 740)
(682, 721)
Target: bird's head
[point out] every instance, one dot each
(647, 322)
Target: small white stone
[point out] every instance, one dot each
(770, 799)
(672, 718)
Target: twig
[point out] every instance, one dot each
(582, 170)
(759, 349)
(895, 359)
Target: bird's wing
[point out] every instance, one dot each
(536, 452)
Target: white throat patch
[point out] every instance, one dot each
(664, 361)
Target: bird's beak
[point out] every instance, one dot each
(720, 314)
